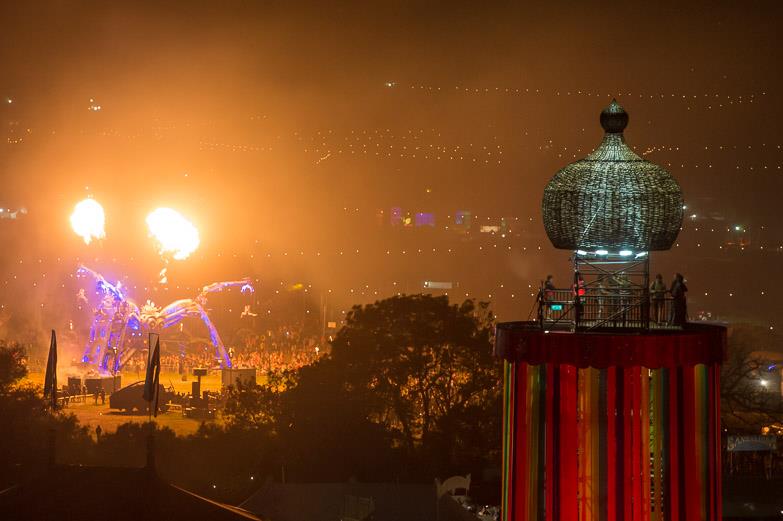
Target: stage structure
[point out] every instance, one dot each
(611, 410)
(119, 324)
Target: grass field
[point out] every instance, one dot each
(91, 415)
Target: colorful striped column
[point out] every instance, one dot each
(624, 443)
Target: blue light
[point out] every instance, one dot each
(133, 323)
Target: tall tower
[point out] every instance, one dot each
(611, 414)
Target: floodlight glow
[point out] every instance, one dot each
(625, 253)
(88, 220)
(601, 252)
(581, 252)
(641, 254)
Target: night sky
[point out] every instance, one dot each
(284, 130)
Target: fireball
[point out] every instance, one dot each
(175, 235)
(88, 220)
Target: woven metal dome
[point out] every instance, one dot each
(613, 199)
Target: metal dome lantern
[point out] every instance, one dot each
(613, 200)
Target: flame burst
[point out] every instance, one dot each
(88, 220)
(174, 234)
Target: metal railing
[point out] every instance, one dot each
(630, 308)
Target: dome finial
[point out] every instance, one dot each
(614, 119)
(612, 200)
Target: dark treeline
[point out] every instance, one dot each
(409, 392)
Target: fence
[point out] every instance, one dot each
(604, 308)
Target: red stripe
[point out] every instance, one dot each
(674, 435)
(691, 464)
(520, 500)
(550, 445)
(710, 446)
(644, 442)
(716, 453)
(636, 451)
(568, 444)
(628, 432)
(611, 443)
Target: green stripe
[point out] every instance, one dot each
(508, 379)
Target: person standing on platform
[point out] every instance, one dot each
(600, 296)
(624, 295)
(657, 294)
(679, 303)
(549, 295)
(579, 292)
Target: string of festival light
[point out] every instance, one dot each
(714, 97)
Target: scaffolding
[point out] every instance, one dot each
(608, 291)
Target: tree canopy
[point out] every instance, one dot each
(12, 366)
(750, 381)
(411, 376)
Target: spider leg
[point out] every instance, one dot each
(214, 336)
(178, 310)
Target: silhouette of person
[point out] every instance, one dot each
(679, 303)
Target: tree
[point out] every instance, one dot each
(410, 389)
(326, 432)
(750, 390)
(254, 406)
(12, 365)
(428, 368)
(27, 422)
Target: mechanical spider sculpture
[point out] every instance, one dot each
(117, 320)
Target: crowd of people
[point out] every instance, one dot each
(280, 349)
(283, 348)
